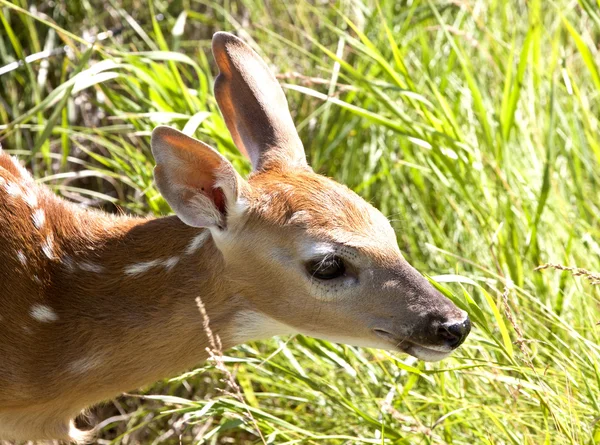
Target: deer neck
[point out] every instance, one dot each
(137, 285)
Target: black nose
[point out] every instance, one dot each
(455, 333)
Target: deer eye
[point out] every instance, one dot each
(327, 268)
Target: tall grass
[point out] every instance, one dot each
(474, 125)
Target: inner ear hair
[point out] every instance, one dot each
(198, 183)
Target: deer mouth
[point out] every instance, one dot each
(426, 353)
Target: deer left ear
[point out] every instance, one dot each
(198, 183)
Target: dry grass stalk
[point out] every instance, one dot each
(215, 352)
(592, 277)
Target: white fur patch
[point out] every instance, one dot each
(170, 263)
(237, 210)
(86, 266)
(85, 364)
(39, 218)
(43, 313)
(313, 249)
(145, 266)
(22, 258)
(251, 325)
(142, 267)
(13, 189)
(30, 198)
(197, 242)
(48, 246)
(90, 267)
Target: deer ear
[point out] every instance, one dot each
(254, 106)
(198, 183)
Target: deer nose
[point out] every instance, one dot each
(454, 333)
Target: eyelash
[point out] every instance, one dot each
(328, 268)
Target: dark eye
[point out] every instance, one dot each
(326, 269)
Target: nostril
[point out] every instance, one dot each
(455, 333)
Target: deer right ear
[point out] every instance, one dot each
(199, 184)
(254, 106)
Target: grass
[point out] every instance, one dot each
(474, 125)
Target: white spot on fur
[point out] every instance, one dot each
(197, 242)
(87, 266)
(22, 258)
(39, 218)
(85, 364)
(170, 263)
(91, 267)
(48, 246)
(43, 313)
(30, 198)
(143, 267)
(13, 189)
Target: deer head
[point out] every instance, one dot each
(303, 253)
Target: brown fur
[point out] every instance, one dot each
(95, 311)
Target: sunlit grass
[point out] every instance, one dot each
(473, 125)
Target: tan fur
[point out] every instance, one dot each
(101, 317)
(92, 305)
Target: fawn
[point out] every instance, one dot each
(92, 304)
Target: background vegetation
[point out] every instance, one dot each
(472, 124)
